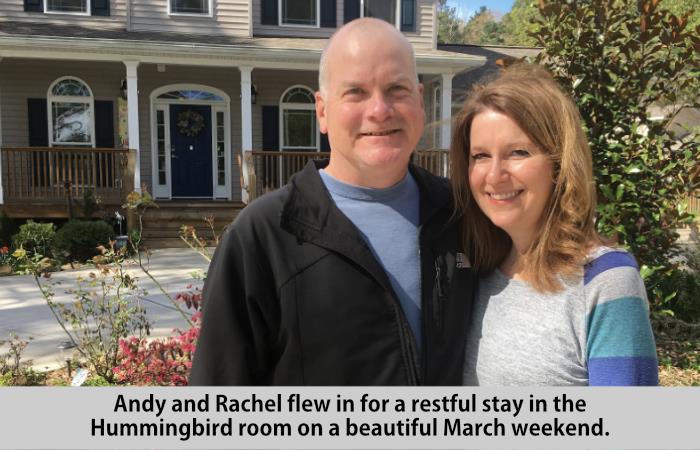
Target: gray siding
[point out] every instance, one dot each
(230, 17)
(422, 38)
(13, 10)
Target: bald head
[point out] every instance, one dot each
(356, 35)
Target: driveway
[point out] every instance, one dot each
(24, 311)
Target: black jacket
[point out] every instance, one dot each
(294, 296)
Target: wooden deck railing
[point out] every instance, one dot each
(50, 173)
(270, 170)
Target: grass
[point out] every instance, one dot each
(678, 349)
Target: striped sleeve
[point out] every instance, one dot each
(620, 345)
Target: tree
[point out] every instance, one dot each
(482, 28)
(450, 26)
(520, 23)
(617, 58)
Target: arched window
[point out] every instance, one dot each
(71, 113)
(298, 118)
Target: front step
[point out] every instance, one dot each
(162, 225)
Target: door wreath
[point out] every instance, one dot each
(190, 122)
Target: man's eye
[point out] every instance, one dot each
(353, 91)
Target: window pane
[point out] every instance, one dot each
(71, 6)
(299, 12)
(381, 9)
(70, 87)
(191, 95)
(299, 95)
(190, 6)
(299, 128)
(71, 122)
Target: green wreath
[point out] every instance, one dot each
(190, 122)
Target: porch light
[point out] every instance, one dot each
(253, 93)
(122, 89)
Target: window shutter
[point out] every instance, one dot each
(408, 15)
(104, 124)
(351, 10)
(37, 122)
(268, 12)
(271, 128)
(325, 145)
(99, 7)
(34, 5)
(328, 14)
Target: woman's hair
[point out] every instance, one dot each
(528, 95)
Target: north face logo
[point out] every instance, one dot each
(462, 261)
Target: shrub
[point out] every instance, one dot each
(35, 238)
(8, 227)
(617, 59)
(79, 239)
(14, 371)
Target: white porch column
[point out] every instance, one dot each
(246, 127)
(446, 110)
(132, 98)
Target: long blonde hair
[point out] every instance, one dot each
(529, 96)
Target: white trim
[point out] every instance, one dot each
(446, 110)
(88, 12)
(165, 191)
(180, 14)
(51, 99)
(132, 81)
(246, 127)
(293, 25)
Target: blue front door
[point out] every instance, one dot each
(190, 152)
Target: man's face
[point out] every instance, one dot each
(372, 109)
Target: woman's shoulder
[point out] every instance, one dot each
(602, 259)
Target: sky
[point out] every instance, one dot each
(465, 8)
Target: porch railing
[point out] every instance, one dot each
(52, 173)
(270, 170)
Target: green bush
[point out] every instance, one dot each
(618, 59)
(78, 239)
(35, 238)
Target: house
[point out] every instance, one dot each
(193, 88)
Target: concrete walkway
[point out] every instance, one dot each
(24, 311)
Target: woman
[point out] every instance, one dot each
(555, 305)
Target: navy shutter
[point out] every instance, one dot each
(104, 124)
(268, 12)
(328, 14)
(271, 128)
(351, 10)
(325, 145)
(37, 122)
(99, 7)
(34, 5)
(408, 15)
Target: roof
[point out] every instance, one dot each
(463, 81)
(47, 40)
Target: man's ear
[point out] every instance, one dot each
(321, 112)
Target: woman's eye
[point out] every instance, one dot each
(478, 156)
(521, 153)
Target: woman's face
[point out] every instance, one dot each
(509, 176)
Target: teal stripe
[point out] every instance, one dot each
(619, 328)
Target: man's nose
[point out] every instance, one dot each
(380, 108)
(497, 171)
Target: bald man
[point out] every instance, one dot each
(352, 274)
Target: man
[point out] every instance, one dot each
(350, 274)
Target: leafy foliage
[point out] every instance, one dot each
(518, 25)
(617, 61)
(450, 26)
(35, 238)
(79, 239)
(14, 371)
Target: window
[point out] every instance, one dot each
(195, 7)
(298, 118)
(401, 13)
(381, 9)
(68, 6)
(71, 117)
(299, 12)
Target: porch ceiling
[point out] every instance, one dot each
(52, 41)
